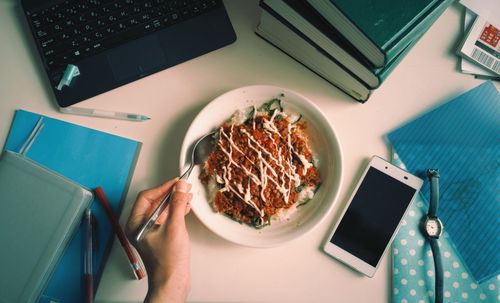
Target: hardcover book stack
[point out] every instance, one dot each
(479, 50)
(352, 44)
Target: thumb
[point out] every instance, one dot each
(179, 201)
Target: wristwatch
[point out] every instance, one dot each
(432, 228)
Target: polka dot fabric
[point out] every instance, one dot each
(413, 265)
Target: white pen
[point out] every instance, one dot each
(102, 113)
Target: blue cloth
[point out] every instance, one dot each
(413, 265)
(462, 139)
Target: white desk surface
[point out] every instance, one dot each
(221, 271)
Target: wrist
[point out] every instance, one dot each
(171, 291)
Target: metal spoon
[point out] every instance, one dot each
(199, 153)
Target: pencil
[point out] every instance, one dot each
(134, 261)
(102, 113)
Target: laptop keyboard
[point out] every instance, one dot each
(72, 30)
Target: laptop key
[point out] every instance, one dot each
(69, 23)
(98, 35)
(47, 42)
(148, 27)
(86, 39)
(156, 23)
(97, 46)
(49, 52)
(41, 33)
(37, 23)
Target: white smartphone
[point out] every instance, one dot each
(371, 218)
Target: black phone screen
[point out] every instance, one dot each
(373, 215)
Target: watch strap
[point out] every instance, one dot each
(438, 269)
(433, 175)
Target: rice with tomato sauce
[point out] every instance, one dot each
(261, 166)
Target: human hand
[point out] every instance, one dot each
(165, 248)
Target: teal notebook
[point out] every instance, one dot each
(379, 29)
(91, 158)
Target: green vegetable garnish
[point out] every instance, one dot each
(296, 121)
(303, 203)
(299, 188)
(271, 105)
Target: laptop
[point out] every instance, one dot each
(89, 47)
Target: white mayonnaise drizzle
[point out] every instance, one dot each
(286, 170)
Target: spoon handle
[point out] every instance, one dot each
(154, 216)
(160, 208)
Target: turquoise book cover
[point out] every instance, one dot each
(462, 139)
(381, 29)
(383, 21)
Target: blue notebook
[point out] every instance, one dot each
(462, 139)
(91, 158)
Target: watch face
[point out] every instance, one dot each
(433, 227)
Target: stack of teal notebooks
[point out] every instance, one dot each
(354, 45)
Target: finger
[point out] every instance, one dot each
(149, 199)
(163, 216)
(132, 225)
(177, 207)
(145, 204)
(158, 192)
(182, 186)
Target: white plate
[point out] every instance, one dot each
(323, 142)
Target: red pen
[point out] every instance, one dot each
(133, 259)
(88, 275)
